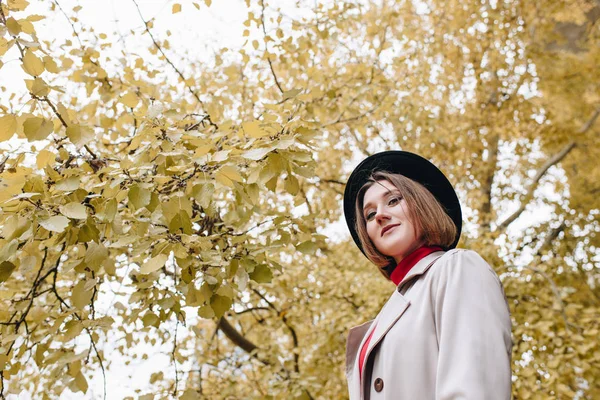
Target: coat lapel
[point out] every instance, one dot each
(397, 304)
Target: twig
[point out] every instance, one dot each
(175, 359)
(165, 56)
(252, 309)
(70, 22)
(262, 20)
(105, 79)
(46, 100)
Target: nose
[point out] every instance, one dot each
(381, 216)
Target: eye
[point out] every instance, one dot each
(394, 200)
(370, 215)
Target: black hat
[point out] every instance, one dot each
(411, 166)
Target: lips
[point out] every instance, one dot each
(387, 228)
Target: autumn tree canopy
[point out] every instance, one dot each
(152, 200)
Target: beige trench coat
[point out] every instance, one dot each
(445, 333)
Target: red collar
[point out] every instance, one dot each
(409, 261)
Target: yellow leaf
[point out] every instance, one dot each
(35, 17)
(208, 2)
(31, 64)
(17, 5)
(176, 8)
(80, 297)
(3, 46)
(8, 126)
(11, 182)
(57, 223)
(95, 255)
(139, 196)
(291, 185)
(254, 130)
(81, 382)
(37, 128)
(73, 210)
(203, 150)
(68, 184)
(44, 158)
(13, 26)
(230, 173)
(6, 269)
(3, 361)
(27, 27)
(150, 319)
(8, 250)
(79, 135)
(50, 65)
(257, 154)
(64, 113)
(154, 264)
(130, 99)
(38, 87)
(196, 5)
(206, 312)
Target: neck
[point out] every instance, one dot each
(405, 265)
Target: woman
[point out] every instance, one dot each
(445, 332)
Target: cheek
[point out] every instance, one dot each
(371, 230)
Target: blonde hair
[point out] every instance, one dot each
(428, 216)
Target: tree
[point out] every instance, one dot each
(207, 197)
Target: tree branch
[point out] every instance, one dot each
(239, 340)
(536, 179)
(587, 126)
(486, 207)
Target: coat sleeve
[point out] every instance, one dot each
(473, 330)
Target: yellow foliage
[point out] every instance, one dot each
(204, 196)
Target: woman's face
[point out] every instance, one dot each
(388, 225)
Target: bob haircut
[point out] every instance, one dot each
(433, 225)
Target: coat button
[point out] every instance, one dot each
(378, 385)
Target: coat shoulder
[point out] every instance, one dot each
(461, 261)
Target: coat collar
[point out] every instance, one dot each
(420, 267)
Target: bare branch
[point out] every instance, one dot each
(536, 179)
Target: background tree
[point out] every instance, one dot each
(188, 200)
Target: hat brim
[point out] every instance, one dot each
(411, 166)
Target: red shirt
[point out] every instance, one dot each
(397, 275)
